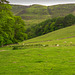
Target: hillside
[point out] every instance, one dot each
(35, 14)
(61, 10)
(63, 33)
(52, 53)
(31, 14)
(40, 56)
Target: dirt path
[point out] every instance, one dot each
(2, 50)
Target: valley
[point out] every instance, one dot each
(37, 39)
(35, 14)
(58, 57)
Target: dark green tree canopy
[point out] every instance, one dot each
(50, 25)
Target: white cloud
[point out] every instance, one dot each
(43, 2)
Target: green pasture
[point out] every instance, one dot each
(57, 58)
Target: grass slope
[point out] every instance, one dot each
(36, 60)
(61, 10)
(35, 14)
(58, 34)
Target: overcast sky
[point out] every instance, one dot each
(43, 2)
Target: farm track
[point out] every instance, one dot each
(3, 50)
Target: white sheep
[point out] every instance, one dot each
(57, 44)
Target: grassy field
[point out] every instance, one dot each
(38, 61)
(57, 58)
(55, 35)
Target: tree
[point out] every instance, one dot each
(12, 28)
(46, 29)
(69, 20)
(52, 26)
(1, 40)
(59, 23)
(19, 29)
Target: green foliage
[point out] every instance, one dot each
(59, 23)
(19, 29)
(1, 40)
(15, 48)
(36, 60)
(61, 34)
(50, 25)
(12, 28)
(69, 20)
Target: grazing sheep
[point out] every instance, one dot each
(44, 45)
(65, 41)
(23, 43)
(57, 44)
(71, 42)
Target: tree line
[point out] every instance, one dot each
(50, 25)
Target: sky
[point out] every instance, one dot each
(42, 2)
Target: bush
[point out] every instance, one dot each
(15, 47)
